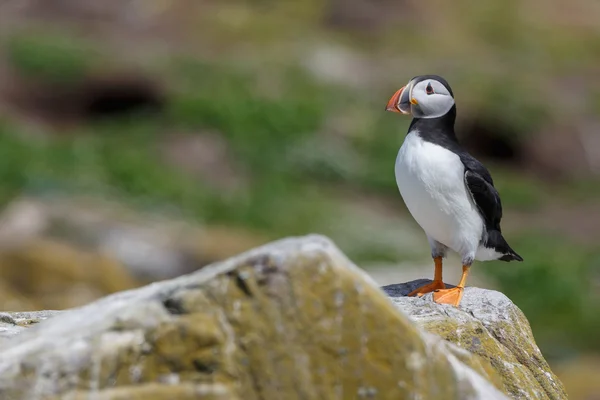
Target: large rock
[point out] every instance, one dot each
(291, 320)
(490, 325)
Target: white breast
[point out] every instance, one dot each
(431, 182)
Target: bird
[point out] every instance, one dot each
(448, 192)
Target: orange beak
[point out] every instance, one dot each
(394, 104)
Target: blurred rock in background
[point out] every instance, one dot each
(59, 253)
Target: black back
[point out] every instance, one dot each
(478, 179)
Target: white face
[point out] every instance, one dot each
(429, 99)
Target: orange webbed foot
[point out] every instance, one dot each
(449, 296)
(428, 288)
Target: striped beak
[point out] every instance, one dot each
(400, 101)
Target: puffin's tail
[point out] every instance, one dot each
(497, 242)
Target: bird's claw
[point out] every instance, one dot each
(449, 296)
(428, 288)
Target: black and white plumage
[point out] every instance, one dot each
(449, 193)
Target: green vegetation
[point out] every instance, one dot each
(50, 57)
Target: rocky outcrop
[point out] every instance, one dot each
(490, 325)
(292, 320)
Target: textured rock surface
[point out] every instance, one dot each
(490, 325)
(292, 320)
(14, 323)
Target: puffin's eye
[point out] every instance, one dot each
(429, 89)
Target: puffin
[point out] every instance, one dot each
(448, 192)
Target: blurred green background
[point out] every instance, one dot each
(144, 139)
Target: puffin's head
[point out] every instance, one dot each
(425, 96)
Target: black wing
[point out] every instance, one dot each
(481, 185)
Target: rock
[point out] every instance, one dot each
(10, 299)
(54, 275)
(58, 252)
(14, 323)
(151, 247)
(490, 325)
(291, 320)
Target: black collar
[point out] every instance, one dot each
(439, 130)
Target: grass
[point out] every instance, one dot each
(260, 129)
(120, 157)
(50, 57)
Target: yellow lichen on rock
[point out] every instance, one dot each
(490, 326)
(291, 320)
